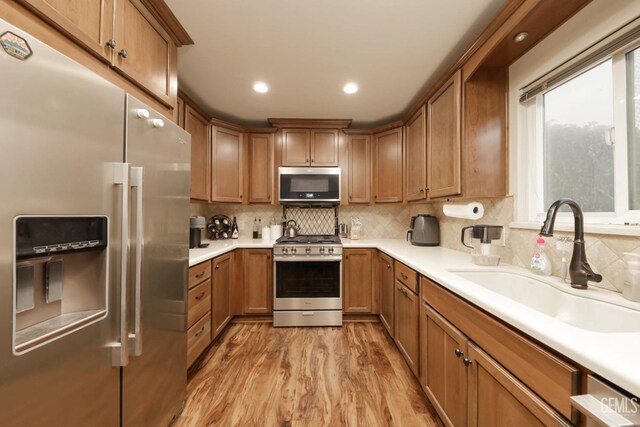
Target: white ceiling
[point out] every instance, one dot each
(306, 50)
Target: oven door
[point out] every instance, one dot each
(307, 284)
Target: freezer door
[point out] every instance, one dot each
(154, 382)
(61, 131)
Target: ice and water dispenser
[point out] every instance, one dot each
(60, 276)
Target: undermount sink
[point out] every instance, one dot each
(550, 299)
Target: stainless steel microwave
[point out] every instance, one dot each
(309, 186)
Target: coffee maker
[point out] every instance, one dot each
(484, 254)
(196, 225)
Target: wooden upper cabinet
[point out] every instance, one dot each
(387, 170)
(145, 52)
(358, 283)
(296, 147)
(200, 131)
(260, 167)
(88, 22)
(359, 170)
(324, 147)
(416, 156)
(443, 139)
(226, 166)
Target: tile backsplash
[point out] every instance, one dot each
(604, 252)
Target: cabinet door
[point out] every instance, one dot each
(443, 139)
(220, 295)
(358, 281)
(180, 113)
(387, 171)
(387, 293)
(324, 147)
(258, 281)
(446, 370)
(260, 168)
(498, 399)
(145, 52)
(417, 156)
(89, 22)
(296, 147)
(200, 131)
(407, 319)
(359, 147)
(226, 166)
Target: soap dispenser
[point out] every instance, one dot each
(540, 262)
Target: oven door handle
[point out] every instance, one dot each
(308, 259)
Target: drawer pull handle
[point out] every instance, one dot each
(200, 295)
(200, 331)
(467, 361)
(459, 352)
(404, 276)
(199, 275)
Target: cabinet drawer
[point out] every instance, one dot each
(198, 338)
(407, 276)
(199, 273)
(553, 379)
(199, 301)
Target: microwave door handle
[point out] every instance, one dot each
(120, 349)
(135, 337)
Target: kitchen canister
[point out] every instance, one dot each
(631, 286)
(266, 233)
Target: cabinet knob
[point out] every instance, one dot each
(218, 267)
(111, 43)
(241, 197)
(389, 266)
(458, 352)
(422, 190)
(467, 361)
(123, 53)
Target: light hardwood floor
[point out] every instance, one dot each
(257, 375)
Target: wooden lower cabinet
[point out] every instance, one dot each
(387, 292)
(220, 294)
(198, 310)
(406, 320)
(357, 281)
(258, 281)
(198, 338)
(446, 376)
(497, 399)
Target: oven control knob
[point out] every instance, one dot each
(293, 250)
(308, 250)
(330, 250)
(285, 250)
(322, 251)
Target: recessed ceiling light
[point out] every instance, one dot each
(260, 87)
(350, 88)
(520, 36)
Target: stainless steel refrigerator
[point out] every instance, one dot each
(94, 208)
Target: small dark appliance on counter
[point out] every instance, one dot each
(425, 230)
(196, 224)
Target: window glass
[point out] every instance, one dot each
(633, 127)
(578, 160)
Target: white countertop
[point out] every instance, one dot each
(614, 356)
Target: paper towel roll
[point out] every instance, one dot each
(473, 210)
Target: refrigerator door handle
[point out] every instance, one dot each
(120, 350)
(135, 337)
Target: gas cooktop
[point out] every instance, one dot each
(310, 240)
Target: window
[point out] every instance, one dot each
(584, 140)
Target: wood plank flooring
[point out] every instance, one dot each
(257, 375)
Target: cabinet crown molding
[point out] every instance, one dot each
(163, 14)
(310, 123)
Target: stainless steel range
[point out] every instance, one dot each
(307, 281)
